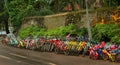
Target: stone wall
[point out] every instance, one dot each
(48, 22)
(36, 20)
(57, 20)
(53, 21)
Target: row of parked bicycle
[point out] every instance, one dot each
(71, 46)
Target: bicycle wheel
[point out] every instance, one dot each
(112, 58)
(95, 56)
(105, 57)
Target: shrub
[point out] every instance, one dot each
(105, 32)
(31, 30)
(45, 11)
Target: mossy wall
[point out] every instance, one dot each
(78, 18)
(53, 21)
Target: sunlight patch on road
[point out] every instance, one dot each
(17, 55)
(5, 57)
(52, 64)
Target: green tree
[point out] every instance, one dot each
(19, 9)
(60, 4)
(15, 9)
(109, 3)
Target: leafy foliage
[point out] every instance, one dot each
(82, 31)
(16, 10)
(109, 3)
(31, 30)
(107, 32)
(63, 3)
(116, 39)
(45, 11)
(20, 9)
(62, 31)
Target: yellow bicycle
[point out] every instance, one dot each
(108, 55)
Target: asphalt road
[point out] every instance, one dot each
(15, 56)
